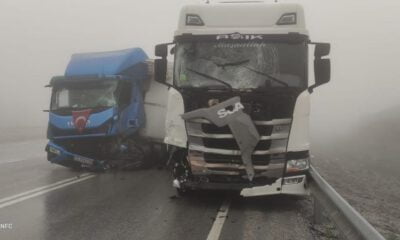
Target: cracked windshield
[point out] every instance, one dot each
(240, 65)
(99, 94)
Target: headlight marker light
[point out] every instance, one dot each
(295, 180)
(298, 165)
(194, 20)
(54, 150)
(288, 19)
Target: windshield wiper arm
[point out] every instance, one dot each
(269, 76)
(251, 69)
(232, 63)
(73, 108)
(210, 77)
(64, 109)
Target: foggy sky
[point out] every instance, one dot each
(37, 38)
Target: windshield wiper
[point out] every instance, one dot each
(222, 65)
(80, 108)
(101, 107)
(231, 64)
(204, 88)
(210, 77)
(64, 109)
(269, 76)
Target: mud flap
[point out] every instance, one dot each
(245, 133)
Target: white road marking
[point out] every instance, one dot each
(23, 159)
(44, 187)
(219, 221)
(4, 202)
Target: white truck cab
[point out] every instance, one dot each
(239, 103)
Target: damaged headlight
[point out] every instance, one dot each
(295, 180)
(297, 165)
(54, 150)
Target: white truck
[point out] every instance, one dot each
(239, 103)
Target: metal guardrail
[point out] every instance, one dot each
(349, 222)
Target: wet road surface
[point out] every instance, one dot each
(45, 201)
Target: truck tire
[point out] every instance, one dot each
(184, 192)
(135, 158)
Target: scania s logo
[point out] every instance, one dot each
(238, 36)
(225, 112)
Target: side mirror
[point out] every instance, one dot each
(322, 49)
(160, 70)
(322, 71)
(322, 66)
(161, 64)
(161, 50)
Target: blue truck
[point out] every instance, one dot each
(106, 111)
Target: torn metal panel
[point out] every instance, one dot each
(194, 129)
(243, 129)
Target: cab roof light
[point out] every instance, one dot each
(288, 19)
(194, 20)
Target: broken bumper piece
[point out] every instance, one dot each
(296, 185)
(58, 155)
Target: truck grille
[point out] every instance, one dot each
(212, 129)
(231, 144)
(62, 133)
(97, 148)
(217, 148)
(231, 159)
(213, 150)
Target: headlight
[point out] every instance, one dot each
(290, 181)
(54, 150)
(297, 165)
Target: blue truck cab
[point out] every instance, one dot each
(97, 111)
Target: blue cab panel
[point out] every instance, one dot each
(105, 63)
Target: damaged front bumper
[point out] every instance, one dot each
(295, 185)
(269, 176)
(58, 155)
(231, 147)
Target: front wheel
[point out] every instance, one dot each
(134, 158)
(184, 192)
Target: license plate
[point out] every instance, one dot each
(83, 160)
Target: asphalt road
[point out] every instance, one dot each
(39, 200)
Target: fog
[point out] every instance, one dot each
(354, 124)
(37, 38)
